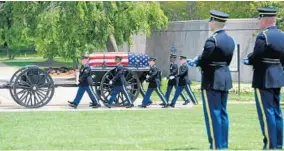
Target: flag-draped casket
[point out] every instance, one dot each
(108, 59)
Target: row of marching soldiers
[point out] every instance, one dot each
(178, 79)
(267, 60)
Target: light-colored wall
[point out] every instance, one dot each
(189, 38)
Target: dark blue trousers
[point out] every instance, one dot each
(270, 117)
(80, 93)
(179, 90)
(216, 117)
(116, 90)
(143, 93)
(169, 90)
(148, 95)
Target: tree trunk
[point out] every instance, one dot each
(49, 61)
(75, 63)
(192, 10)
(9, 51)
(111, 44)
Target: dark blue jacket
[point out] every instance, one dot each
(154, 79)
(173, 72)
(183, 75)
(214, 61)
(119, 79)
(85, 72)
(266, 59)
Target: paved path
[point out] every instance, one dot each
(6, 72)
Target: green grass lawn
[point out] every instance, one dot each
(246, 93)
(32, 61)
(21, 54)
(165, 129)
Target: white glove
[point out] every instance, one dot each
(171, 77)
(195, 58)
(147, 76)
(110, 82)
(245, 61)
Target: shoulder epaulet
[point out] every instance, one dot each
(265, 36)
(214, 37)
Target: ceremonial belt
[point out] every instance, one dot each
(269, 60)
(218, 64)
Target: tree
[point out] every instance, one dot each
(128, 18)
(14, 26)
(68, 28)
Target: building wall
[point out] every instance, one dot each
(189, 37)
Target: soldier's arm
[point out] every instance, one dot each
(174, 71)
(207, 51)
(153, 74)
(118, 74)
(85, 73)
(183, 70)
(258, 50)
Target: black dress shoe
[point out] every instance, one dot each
(186, 102)
(142, 106)
(95, 105)
(70, 102)
(130, 106)
(172, 105)
(162, 104)
(150, 103)
(108, 105)
(165, 106)
(73, 106)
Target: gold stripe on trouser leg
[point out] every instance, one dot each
(210, 119)
(266, 133)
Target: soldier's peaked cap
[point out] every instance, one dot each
(267, 12)
(173, 56)
(182, 57)
(218, 16)
(118, 57)
(152, 59)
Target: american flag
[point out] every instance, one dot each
(108, 59)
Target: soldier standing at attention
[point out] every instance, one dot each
(183, 82)
(216, 80)
(119, 83)
(172, 82)
(154, 84)
(268, 78)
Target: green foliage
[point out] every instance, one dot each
(200, 9)
(70, 29)
(14, 26)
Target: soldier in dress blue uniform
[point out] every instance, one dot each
(84, 86)
(119, 83)
(142, 78)
(216, 80)
(183, 82)
(172, 82)
(268, 78)
(154, 84)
